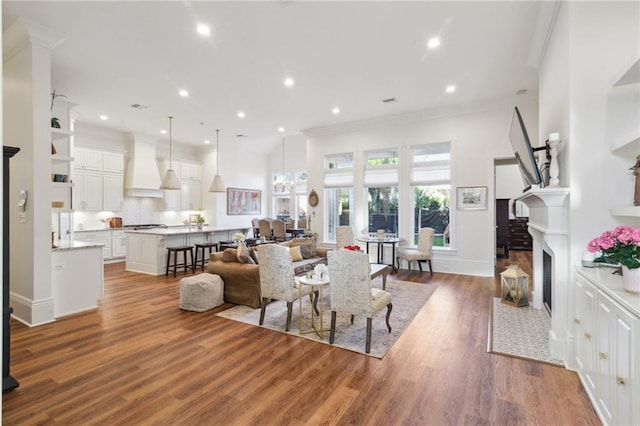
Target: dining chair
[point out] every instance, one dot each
(420, 254)
(302, 223)
(255, 224)
(344, 236)
(264, 226)
(351, 291)
(279, 230)
(277, 280)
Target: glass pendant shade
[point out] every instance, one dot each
(170, 179)
(216, 184)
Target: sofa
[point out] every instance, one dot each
(241, 277)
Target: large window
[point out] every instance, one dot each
(431, 186)
(338, 193)
(381, 182)
(289, 195)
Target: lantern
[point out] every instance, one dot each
(515, 286)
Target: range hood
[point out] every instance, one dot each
(143, 177)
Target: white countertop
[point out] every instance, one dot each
(611, 285)
(182, 230)
(75, 245)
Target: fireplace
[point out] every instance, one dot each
(548, 212)
(547, 265)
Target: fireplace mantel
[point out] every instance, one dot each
(548, 225)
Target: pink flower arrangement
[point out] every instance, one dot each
(622, 245)
(352, 248)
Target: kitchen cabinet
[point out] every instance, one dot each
(607, 341)
(118, 244)
(112, 162)
(190, 195)
(96, 237)
(87, 192)
(189, 171)
(171, 200)
(113, 191)
(88, 159)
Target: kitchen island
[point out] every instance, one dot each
(147, 248)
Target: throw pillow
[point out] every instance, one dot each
(296, 256)
(244, 256)
(230, 255)
(307, 250)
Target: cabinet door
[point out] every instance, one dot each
(118, 244)
(98, 237)
(113, 192)
(604, 317)
(172, 200)
(112, 162)
(625, 386)
(585, 333)
(190, 195)
(190, 171)
(87, 159)
(87, 191)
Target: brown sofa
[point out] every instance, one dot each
(242, 280)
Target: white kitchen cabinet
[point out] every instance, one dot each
(99, 237)
(190, 195)
(113, 162)
(118, 244)
(171, 200)
(189, 171)
(88, 159)
(607, 350)
(87, 191)
(113, 191)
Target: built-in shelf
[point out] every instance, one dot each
(630, 74)
(59, 134)
(61, 159)
(62, 184)
(630, 211)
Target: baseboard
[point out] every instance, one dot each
(31, 312)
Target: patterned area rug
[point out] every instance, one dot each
(521, 332)
(408, 299)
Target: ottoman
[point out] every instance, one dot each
(201, 293)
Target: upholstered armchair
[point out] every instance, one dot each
(420, 254)
(264, 226)
(277, 280)
(351, 291)
(344, 236)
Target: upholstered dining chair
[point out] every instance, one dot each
(255, 224)
(265, 228)
(277, 280)
(351, 291)
(420, 254)
(344, 236)
(279, 230)
(302, 223)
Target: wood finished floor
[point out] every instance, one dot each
(139, 359)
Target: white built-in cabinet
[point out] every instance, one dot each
(189, 197)
(114, 242)
(99, 180)
(607, 348)
(623, 122)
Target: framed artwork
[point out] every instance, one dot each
(471, 197)
(243, 201)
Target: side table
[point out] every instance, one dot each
(315, 284)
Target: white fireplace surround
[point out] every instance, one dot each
(548, 225)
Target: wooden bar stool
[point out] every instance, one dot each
(174, 267)
(202, 247)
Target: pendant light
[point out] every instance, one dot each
(283, 187)
(170, 180)
(217, 185)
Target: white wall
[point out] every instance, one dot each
(478, 135)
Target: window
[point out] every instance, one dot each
(431, 186)
(381, 182)
(287, 190)
(338, 193)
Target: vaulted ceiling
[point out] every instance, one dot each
(349, 55)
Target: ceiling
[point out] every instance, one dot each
(346, 54)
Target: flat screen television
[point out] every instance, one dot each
(524, 152)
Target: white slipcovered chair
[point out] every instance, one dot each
(422, 253)
(344, 236)
(277, 280)
(351, 291)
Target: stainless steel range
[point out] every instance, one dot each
(144, 226)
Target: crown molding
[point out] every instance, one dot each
(23, 32)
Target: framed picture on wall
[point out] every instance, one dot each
(243, 201)
(471, 197)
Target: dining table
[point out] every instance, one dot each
(380, 243)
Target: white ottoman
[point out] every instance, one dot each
(201, 293)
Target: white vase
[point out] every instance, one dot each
(631, 279)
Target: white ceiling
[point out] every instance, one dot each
(346, 54)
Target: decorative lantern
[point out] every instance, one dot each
(515, 286)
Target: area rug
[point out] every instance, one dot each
(520, 332)
(407, 299)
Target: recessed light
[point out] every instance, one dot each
(184, 93)
(164, 132)
(288, 82)
(104, 118)
(433, 43)
(203, 29)
(241, 114)
(451, 89)
(336, 110)
(281, 129)
(207, 142)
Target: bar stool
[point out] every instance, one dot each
(202, 246)
(175, 250)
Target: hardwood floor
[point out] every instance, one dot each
(139, 359)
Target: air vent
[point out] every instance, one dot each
(521, 92)
(389, 100)
(138, 106)
(241, 136)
